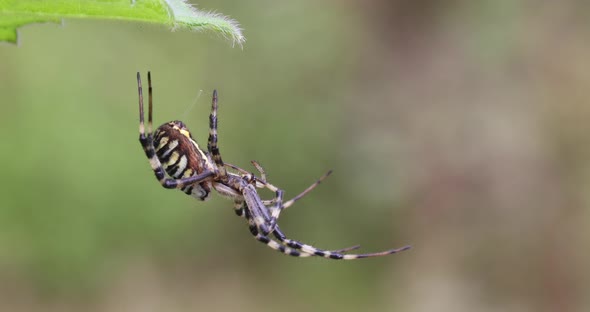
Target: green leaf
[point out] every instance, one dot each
(177, 14)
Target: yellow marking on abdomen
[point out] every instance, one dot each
(172, 160)
(181, 166)
(188, 173)
(163, 142)
(171, 147)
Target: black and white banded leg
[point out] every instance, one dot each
(212, 141)
(293, 248)
(335, 255)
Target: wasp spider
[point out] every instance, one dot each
(179, 163)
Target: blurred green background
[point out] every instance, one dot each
(460, 127)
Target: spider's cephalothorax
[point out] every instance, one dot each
(179, 163)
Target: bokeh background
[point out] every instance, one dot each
(460, 127)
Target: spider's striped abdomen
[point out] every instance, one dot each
(181, 156)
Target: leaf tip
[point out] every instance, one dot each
(186, 15)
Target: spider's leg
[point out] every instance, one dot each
(256, 210)
(275, 210)
(142, 134)
(260, 182)
(150, 102)
(241, 210)
(330, 254)
(290, 202)
(260, 169)
(212, 142)
(261, 214)
(277, 204)
(274, 244)
(242, 171)
(147, 140)
(286, 249)
(252, 226)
